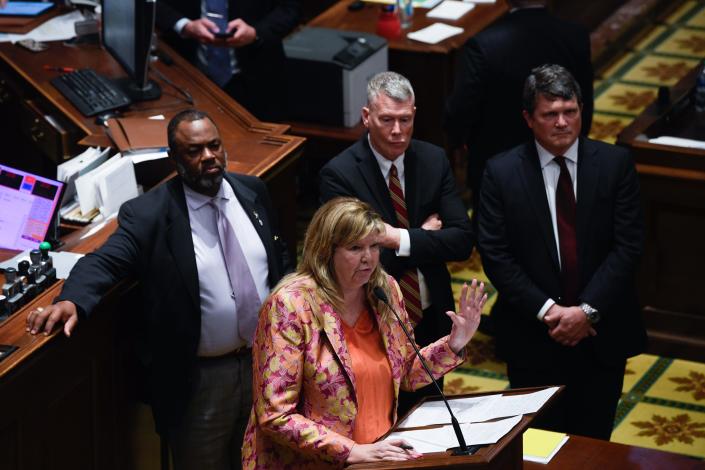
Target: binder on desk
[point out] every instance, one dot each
(136, 135)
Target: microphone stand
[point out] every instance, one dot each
(463, 448)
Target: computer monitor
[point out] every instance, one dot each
(28, 207)
(128, 26)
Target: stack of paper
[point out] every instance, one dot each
(451, 10)
(107, 186)
(540, 446)
(442, 438)
(77, 166)
(435, 33)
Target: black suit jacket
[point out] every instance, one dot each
(153, 245)
(519, 253)
(484, 109)
(262, 62)
(429, 188)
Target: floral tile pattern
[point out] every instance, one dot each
(659, 70)
(625, 99)
(683, 381)
(606, 127)
(663, 428)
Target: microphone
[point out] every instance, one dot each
(462, 449)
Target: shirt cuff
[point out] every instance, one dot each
(179, 26)
(404, 243)
(549, 303)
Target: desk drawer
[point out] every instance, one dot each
(50, 132)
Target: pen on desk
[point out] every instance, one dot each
(56, 68)
(406, 446)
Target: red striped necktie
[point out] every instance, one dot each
(567, 240)
(409, 282)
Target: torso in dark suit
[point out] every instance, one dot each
(153, 244)
(519, 253)
(429, 188)
(262, 62)
(485, 108)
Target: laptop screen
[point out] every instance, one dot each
(28, 204)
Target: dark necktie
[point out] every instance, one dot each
(218, 66)
(409, 281)
(565, 218)
(243, 285)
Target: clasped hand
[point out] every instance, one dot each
(568, 325)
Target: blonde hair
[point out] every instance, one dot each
(339, 222)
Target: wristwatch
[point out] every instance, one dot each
(592, 314)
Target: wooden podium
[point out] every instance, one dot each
(506, 454)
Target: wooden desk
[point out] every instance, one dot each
(430, 68)
(56, 130)
(673, 194)
(66, 402)
(585, 453)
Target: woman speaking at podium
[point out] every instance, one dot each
(329, 357)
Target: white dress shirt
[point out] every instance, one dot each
(385, 165)
(219, 319)
(551, 171)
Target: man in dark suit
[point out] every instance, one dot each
(483, 112)
(410, 184)
(249, 65)
(200, 297)
(561, 234)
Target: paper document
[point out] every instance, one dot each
(477, 409)
(440, 439)
(541, 446)
(435, 33)
(116, 185)
(465, 409)
(450, 10)
(512, 405)
(59, 28)
(678, 142)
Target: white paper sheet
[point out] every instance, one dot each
(435, 33)
(678, 142)
(59, 28)
(440, 439)
(512, 405)
(435, 412)
(450, 10)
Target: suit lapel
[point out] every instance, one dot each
(179, 240)
(371, 175)
(334, 332)
(536, 192)
(588, 176)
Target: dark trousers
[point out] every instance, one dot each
(430, 328)
(588, 403)
(265, 104)
(211, 433)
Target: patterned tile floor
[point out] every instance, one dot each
(661, 57)
(663, 400)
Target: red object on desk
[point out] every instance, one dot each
(388, 25)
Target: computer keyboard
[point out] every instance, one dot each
(91, 93)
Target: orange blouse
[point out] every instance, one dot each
(373, 379)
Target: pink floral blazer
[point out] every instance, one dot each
(304, 388)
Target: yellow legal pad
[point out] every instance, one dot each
(540, 446)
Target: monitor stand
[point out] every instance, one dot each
(138, 93)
